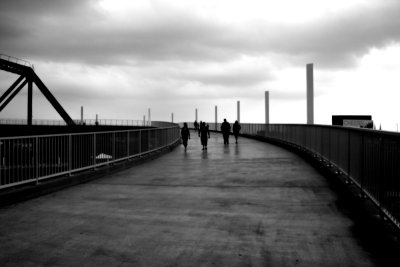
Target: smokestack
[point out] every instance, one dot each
(238, 111)
(149, 117)
(81, 115)
(266, 107)
(216, 117)
(310, 94)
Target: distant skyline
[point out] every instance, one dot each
(118, 58)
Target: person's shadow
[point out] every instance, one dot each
(204, 155)
(237, 150)
(226, 149)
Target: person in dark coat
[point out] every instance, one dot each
(225, 129)
(196, 125)
(236, 129)
(185, 135)
(204, 135)
(199, 129)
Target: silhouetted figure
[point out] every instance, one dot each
(225, 129)
(201, 125)
(185, 135)
(204, 134)
(236, 129)
(196, 125)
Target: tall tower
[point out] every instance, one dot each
(149, 117)
(216, 117)
(81, 115)
(310, 94)
(238, 111)
(266, 107)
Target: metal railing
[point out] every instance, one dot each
(34, 158)
(368, 158)
(103, 122)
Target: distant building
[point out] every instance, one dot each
(358, 121)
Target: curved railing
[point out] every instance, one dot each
(368, 158)
(33, 158)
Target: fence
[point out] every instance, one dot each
(369, 158)
(103, 122)
(34, 158)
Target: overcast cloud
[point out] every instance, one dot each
(154, 54)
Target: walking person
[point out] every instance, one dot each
(236, 129)
(199, 128)
(196, 125)
(225, 129)
(185, 135)
(204, 135)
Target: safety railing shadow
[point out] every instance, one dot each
(369, 159)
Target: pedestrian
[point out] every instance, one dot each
(196, 125)
(236, 129)
(185, 135)
(201, 125)
(204, 135)
(225, 129)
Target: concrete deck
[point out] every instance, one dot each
(251, 204)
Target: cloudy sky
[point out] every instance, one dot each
(118, 58)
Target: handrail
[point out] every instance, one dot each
(30, 159)
(103, 122)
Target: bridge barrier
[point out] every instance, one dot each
(103, 122)
(30, 159)
(368, 158)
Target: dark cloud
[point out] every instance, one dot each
(338, 41)
(76, 31)
(26, 9)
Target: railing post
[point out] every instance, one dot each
(381, 181)
(94, 150)
(113, 146)
(37, 159)
(2, 145)
(362, 165)
(140, 141)
(70, 154)
(329, 149)
(1, 159)
(348, 155)
(127, 144)
(322, 143)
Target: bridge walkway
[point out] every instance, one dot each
(251, 204)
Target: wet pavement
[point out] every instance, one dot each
(251, 204)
